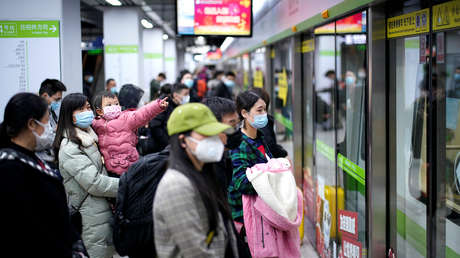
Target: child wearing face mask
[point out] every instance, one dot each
(117, 129)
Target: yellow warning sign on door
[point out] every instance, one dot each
(447, 15)
(308, 46)
(259, 79)
(409, 24)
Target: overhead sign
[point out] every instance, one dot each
(29, 54)
(446, 16)
(409, 24)
(214, 17)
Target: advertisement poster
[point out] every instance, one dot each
(259, 79)
(214, 17)
(351, 248)
(30, 53)
(348, 223)
(353, 23)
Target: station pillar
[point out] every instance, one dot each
(153, 56)
(123, 52)
(170, 60)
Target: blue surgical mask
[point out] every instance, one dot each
(84, 119)
(229, 83)
(349, 80)
(113, 90)
(457, 77)
(55, 105)
(260, 121)
(188, 83)
(90, 79)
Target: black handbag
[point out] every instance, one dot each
(75, 216)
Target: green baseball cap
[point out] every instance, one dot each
(195, 117)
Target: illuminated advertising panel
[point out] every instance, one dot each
(214, 17)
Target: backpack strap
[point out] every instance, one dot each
(11, 154)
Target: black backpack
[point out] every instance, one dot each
(133, 232)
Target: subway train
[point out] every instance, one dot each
(366, 100)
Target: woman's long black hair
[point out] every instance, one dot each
(20, 109)
(65, 124)
(204, 181)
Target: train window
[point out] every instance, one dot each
(409, 133)
(447, 75)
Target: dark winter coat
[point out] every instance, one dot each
(35, 219)
(270, 138)
(158, 128)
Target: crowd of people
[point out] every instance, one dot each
(63, 161)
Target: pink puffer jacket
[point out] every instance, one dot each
(118, 139)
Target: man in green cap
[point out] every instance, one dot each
(190, 212)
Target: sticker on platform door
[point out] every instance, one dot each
(350, 248)
(440, 48)
(348, 223)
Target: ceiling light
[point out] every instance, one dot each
(146, 24)
(165, 36)
(227, 42)
(114, 2)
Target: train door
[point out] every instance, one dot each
(424, 196)
(337, 182)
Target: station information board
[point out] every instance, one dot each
(30, 53)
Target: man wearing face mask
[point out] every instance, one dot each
(51, 91)
(454, 91)
(225, 112)
(88, 80)
(225, 88)
(180, 94)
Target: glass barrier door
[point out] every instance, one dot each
(408, 152)
(446, 76)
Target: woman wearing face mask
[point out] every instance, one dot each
(252, 150)
(85, 178)
(35, 218)
(190, 213)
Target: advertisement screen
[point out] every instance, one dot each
(214, 17)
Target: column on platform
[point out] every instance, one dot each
(153, 56)
(123, 45)
(170, 64)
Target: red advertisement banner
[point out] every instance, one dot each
(351, 248)
(348, 223)
(230, 17)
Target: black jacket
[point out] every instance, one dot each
(35, 218)
(158, 130)
(221, 91)
(224, 172)
(270, 138)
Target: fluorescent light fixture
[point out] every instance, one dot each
(165, 36)
(146, 24)
(227, 42)
(114, 2)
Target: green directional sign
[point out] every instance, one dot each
(121, 49)
(29, 29)
(153, 55)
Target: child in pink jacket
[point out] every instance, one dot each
(117, 129)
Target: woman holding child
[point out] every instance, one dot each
(85, 178)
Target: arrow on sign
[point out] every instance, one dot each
(53, 28)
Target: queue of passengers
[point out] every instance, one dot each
(62, 159)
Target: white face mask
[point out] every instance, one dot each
(208, 150)
(44, 141)
(185, 100)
